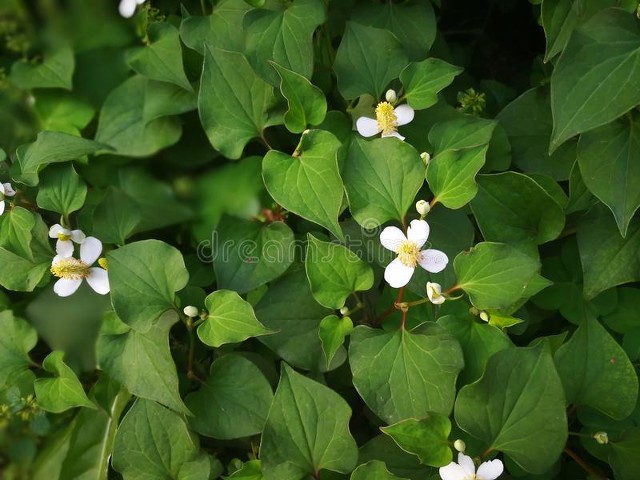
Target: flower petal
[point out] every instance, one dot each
(65, 287)
(393, 134)
(127, 8)
(78, 236)
(367, 127)
(434, 293)
(418, 232)
(391, 238)
(490, 470)
(466, 462)
(90, 250)
(98, 279)
(1, 207)
(453, 471)
(404, 114)
(1, 188)
(433, 261)
(397, 274)
(55, 230)
(64, 248)
(8, 190)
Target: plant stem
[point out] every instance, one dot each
(584, 465)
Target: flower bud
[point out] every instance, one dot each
(484, 316)
(601, 437)
(391, 96)
(459, 445)
(344, 311)
(426, 158)
(423, 207)
(190, 311)
(434, 292)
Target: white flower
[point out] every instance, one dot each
(434, 292)
(387, 121)
(66, 237)
(466, 470)
(128, 7)
(5, 191)
(72, 271)
(191, 311)
(398, 273)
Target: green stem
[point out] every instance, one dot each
(584, 465)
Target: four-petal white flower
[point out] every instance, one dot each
(388, 119)
(398, 272)
(128, 7)
(5, 191)
(66, 237)
(466, 470)
(71, 271)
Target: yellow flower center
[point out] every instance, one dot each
(408, 253)
(386, 117)
(434, 293)
(64, 237)
(103, 263)
(71, 269)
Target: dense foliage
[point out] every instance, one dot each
(328, 239)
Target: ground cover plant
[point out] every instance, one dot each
(319, 239)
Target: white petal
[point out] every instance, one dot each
(397, 274)
(466, 462)
(64, 248)
(127, 8)
(8, 190)
(433, 261)
(418, 232)
(2, 188)
(65, 287)
(490, 470)
(404, 114)
(1, 207)
(140, 2)
(393, 134)
(90, 250)
(98, 279)
(55, 230)
(434, 291)
(453, 471)
(391, 238)
(77, 236)
(367, 127)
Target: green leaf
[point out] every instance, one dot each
(306, 431)
(248, 254)
(596, 372)
(63, 392)
(162, 59)
(251, 470)
(222, 29)
(422, 81)
(62, 112)
(55, 71)
(308, 183)
(494, 275)
(116, 217)
(138, 117)
(427, 438)
(373, 470)
(307, 105)
(17, 339)
(512, 208)
(20, 274)
(517, 407)
(479, 341)
(144, 277)
(332, 332)
(609, 159)
(152, 443)
(382, 448)
(396, 373)
(296, 339)
(230, 320)
(284, 36)
(15, 231)
(607, 263)
(367, 60)
(623, 319)
(335, 272)
(141, 362)
(233, 402)
(233, 101)
(381, 178)
(528, 123)
(413, 23)
(460, 151)
(62, 190)
(593, 82)
(51, 147)
(623, 457)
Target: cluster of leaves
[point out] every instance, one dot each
(211, 147)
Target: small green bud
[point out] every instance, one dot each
(391, 96)
(459, 445)
(423, 208)
(191, 311)
(601, 437)
(484, 316)
(344, 311)
(426, 158)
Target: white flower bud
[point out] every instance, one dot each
(423, 207)
(391, 96)
(601, 437)
(434, 292)
(459, 445)
(190, 311)
(426, 158)
(484, 316)
(344, 311)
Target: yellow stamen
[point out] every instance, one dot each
(103, 263)
(408, 253)
(386, 117)
(71, 269)
(64, 237)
